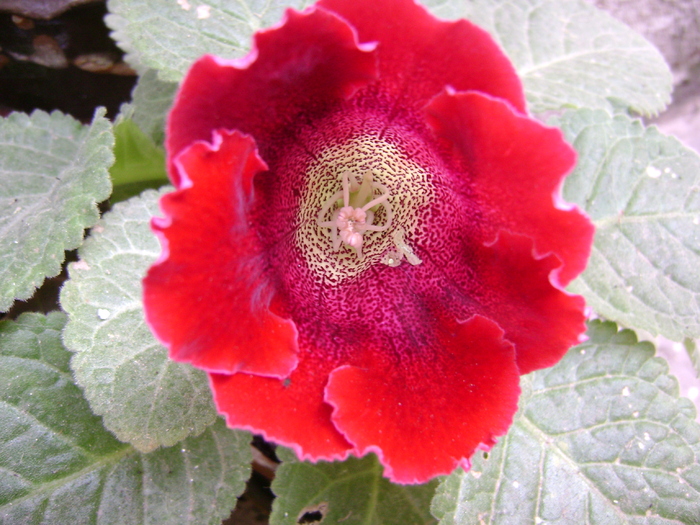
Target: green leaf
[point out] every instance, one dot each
(168, 35)
(691, 347)
(601, 438)
(139, 164)
(53, 172)
(642, 191)
(151, 101)
(145, 398)
(351, 491)
(59, 465)
(570, 54)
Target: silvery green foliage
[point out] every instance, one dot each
(168, 35)
(600, 438)
(571, 54)
(145, 398)
(58, 464)
(150, 103)
(53, 173)
(642, 191)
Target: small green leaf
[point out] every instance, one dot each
(642, 191)
(691, 346)
(168, 35)
(151, 101)
(352, 491)
(570, 54)
(139, 164)
(53, 172)
(600, 438)
(58, 465)
(146, 399)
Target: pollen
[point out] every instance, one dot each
(352, 210)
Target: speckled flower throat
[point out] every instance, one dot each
(362, 206)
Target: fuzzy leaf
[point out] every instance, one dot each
(151, 101)
(571, 54)
(642, 191)
(146, 399)
(58, 465)
(53, 172)
(351, 491)
(600, 438)
(168, 36)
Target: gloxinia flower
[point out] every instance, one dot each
(366, 246)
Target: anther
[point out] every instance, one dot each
(394, 258)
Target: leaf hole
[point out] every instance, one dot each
(314, 514)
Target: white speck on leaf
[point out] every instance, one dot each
(626, 391)
(653, 172)
(203, 11)
(184, 4)
(103, 314)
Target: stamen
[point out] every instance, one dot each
(405, 249)
(355, 217)
(394, 258)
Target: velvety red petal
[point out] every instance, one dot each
(516, 166)
(290, 412)
(294, 73)
(425, 413)
(419, 55)
(207, 298)
(542, 321)
(322, 348)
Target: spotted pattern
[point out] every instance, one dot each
(410, 195)
(343, 304)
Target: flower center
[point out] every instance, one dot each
(358, 201)
(363, 203)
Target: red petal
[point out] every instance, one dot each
(542, 321)
(426, 412)
(290, 412)
(294, 72)
(419, 55)
(516, 166)
(207, 298)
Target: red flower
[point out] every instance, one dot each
(365, 248)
